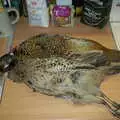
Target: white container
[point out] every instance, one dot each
(6, 27)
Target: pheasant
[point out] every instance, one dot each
(65, 67)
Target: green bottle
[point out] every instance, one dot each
(1, 6)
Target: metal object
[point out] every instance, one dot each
(2, 82)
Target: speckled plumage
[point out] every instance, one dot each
(66, 67)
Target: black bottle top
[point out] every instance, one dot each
(78, 3)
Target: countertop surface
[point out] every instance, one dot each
(21, 103)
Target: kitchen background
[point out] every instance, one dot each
(91, 12)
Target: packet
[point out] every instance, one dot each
(96, 13)
(62, 16)
(38, 13)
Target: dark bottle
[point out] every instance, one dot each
(24, 6)
(78, 4)
(96, 12)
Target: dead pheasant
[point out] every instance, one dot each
(66, 67)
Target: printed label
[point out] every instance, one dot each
(61, 11)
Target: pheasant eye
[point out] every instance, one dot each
(6, 66)
(12, 54)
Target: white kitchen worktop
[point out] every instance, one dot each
(115, 21)
(116, 33)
